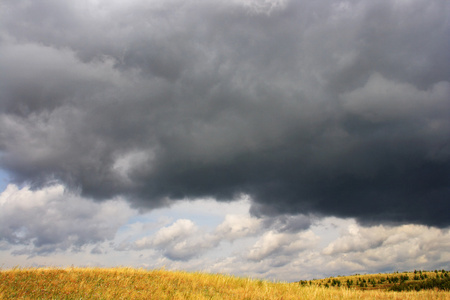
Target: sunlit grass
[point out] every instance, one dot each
(127, 283)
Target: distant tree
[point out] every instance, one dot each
(349, 283)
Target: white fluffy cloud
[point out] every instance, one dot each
(383, 248)
(282, 244)
(184, 240)
(237, 226)
(180, 241)
(51, 219)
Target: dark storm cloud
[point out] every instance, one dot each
(330, 108)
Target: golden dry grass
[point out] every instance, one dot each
(127, 283)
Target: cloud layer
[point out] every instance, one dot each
(333, 109)
(51, 225)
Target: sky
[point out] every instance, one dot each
(275, 139)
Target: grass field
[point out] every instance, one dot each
(127, 283)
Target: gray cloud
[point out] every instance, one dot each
(313, 108)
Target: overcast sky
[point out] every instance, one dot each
(268, 138)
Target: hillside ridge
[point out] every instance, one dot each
(398, 281)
